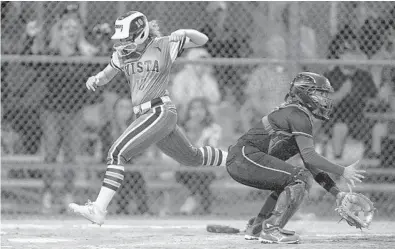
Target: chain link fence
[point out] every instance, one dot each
(55, 134)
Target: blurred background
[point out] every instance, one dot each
(55, 134)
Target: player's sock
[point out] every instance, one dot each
(267, 208)
(213, 156)
(111, 182)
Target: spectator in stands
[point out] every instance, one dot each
(385, 103)
(386, 117)
(307, 35)
(375, 31)
(102, 39)
(226, 41)
(13, 23)
(201, 129)
(22, 91)
(367, 30)
(9, 137)
(346, 37)
(195, 80)
(32, 41)
(63, 101)
(353, 88)
(267, 84)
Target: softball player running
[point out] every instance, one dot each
(146, 58)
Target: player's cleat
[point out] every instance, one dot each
(252, 231)
(276, 235)
(89, 211)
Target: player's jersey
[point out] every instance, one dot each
(148, 76)
(276, 132)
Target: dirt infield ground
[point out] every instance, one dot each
(170, 233)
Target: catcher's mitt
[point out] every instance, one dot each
(356, 209)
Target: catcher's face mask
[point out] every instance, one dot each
(323, 102)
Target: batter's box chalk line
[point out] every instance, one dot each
(38, 240)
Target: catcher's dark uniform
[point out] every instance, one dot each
(258, 158)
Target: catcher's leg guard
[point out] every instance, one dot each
(287, 204)
(254, 226)
(297, 194)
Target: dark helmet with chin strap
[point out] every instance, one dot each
(312, 91)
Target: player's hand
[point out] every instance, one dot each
(339, 197)
(352, 175)
(91, 83)
(177, 35)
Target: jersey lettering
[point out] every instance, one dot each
(133, 68)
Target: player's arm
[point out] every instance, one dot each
(313, 159)
(105, 75)
(317, 164)
(102, 78)
(302, 129)
(190, 37)
(324, 180)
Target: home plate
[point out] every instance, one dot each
(37, 240)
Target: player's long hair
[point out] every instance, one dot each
(154, 29)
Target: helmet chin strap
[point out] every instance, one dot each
(135, 54)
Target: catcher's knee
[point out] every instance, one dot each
(303, 176)
(296, 191)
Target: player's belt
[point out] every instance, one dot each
(142, 108)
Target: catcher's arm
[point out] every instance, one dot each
(312, 158)
(324, 180)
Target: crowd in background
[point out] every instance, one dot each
(40, 115)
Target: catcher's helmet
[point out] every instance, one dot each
(131, 29)
(312, 91)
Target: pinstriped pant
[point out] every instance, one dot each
(158, 126)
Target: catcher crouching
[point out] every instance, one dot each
(258, 160)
